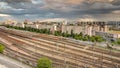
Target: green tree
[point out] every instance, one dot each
(85, 38)
(80, 37)
(98, 38)
(1, 48)
(118, 41)
(76, 37)
(44, 63)
(64, 34)
(81, 34)
(72, 34)
(92, 39)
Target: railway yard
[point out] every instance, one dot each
(28, 47)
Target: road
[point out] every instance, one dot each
(7, 62)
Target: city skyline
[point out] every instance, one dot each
(70, 9)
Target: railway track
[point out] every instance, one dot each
(43, 55)
(65, 41)
(62, 48)
(24, 56)
(73, 54)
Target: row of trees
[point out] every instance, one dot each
(79, 36)
(44, 31)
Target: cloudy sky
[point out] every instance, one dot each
(68, 9)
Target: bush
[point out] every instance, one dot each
(92, 39)
(118, 41)
(44, 63)
(85, 38)
(1, 48)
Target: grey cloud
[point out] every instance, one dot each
(25, 11)
(17, 1)
(60, 8)
(22, 4)
(116, 2)
(80, 4)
